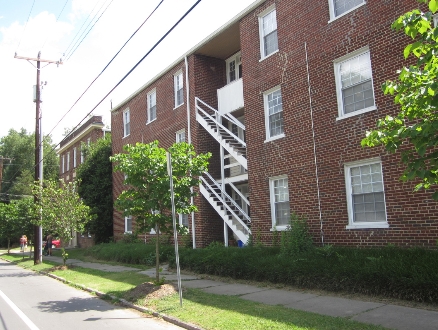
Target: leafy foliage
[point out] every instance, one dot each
(15, 220)
(18, 175)
(413, 131)
(95, 176)
(410, 274)
(296, 238)
(63, 211)
(147, 194)
(136, 253)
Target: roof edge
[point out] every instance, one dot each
(236, 18)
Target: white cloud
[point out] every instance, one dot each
(67, 82)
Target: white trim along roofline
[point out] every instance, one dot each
(236, 18)
(81, 135)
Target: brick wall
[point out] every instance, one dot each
(412, 217)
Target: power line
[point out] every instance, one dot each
(130, 71)
(24, 30)
(74, 38)
(106, 66)
(71, 53)
(55, 22)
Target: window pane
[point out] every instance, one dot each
(128, 223)
(271, 43)
(275, 110)
(270, 22)
(269, 30)
(180, 97)
(357, 87)
(367, 193)
(342, 6)
(276, 126)
(232, 71)
(282, 211)
(366, 207)
(153, 113)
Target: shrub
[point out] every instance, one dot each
(296, 239)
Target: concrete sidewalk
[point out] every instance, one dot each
(386, 315)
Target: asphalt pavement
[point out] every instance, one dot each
(30, 300)
(387, 315)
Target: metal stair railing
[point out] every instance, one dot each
(226, 200)
(209, 118)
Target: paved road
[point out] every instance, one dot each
(32, 301)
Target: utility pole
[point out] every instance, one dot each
(37, 257)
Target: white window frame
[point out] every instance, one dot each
(266, 107)
(362, 225)
(261, 16)
(175, 88)
(337, 66)
(74, 157)
(180, 219)
(128, 218)
(152, 92)
(68, 161)
(272, 201)
(332, 10)
(237, 59)
(178, 135)
(126, 123)
(82, 153)
(88, 141)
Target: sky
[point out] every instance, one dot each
(61, 29)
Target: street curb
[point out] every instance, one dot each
(123, 302)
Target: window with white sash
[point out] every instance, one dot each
(280, 207)
(365, 194)
(268, 32)
(126, 123)
(342, 7)
(354, 83)
(152, 105)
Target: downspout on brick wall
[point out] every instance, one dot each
(314, 147)
(189, 140)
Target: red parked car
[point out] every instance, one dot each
(56, 243)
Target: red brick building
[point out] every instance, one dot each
(71, 156)
(282, 96)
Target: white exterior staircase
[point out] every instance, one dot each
(226, 207)
(212, 121)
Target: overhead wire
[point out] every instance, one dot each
(138, 63)
(80, 29)
(55, 22)
(24, 30)
(95, 15)
(74, 50)
(133, 68)
(106, 66)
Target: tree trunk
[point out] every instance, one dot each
(9, 245)
(157, 253)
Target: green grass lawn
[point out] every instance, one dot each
(208, 311)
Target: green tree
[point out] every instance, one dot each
(413, 131)
(63, 211)
(147, 193)
(18, 175)
(15, 220)
(8, 227)
(95, 176)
